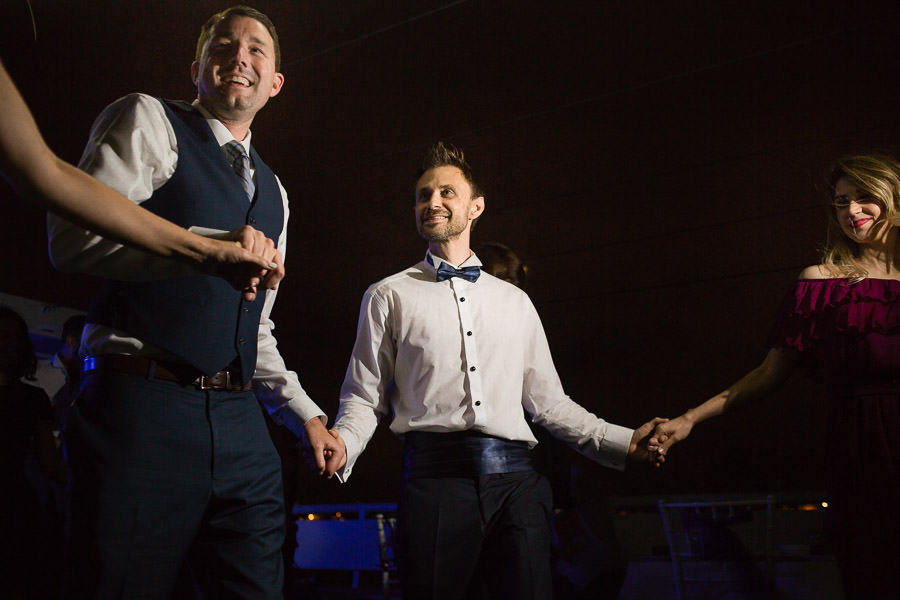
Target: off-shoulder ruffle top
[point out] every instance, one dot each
(848, 332)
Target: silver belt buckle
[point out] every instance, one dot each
(204, 383)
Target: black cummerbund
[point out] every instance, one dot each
(461, 454)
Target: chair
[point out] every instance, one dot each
(355, 544)
(722, 542)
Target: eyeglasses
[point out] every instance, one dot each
(845, 201)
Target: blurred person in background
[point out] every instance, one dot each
(25, 423)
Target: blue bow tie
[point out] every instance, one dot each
(446, 271)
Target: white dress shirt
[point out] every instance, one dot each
(456, 355)
(133, 149)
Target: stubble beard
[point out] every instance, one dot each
(233, 107)
(230, 107)
(449, 231)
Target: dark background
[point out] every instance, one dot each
(658, 165)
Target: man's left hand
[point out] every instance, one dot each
(326, 448)
(640, 439)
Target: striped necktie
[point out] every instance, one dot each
(240, 162)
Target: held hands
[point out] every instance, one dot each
(324, 449)
(246, 259)
(667, 434)
(639, 450)
(335, 462)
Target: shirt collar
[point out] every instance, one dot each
(223, 136)
(434, 262)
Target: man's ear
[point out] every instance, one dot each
(195, 70)
(276, 85)
(477, 208)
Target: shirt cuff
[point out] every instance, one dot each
(353, 452)
(296, 421)
(208, 232)
(614, 446)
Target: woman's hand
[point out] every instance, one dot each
(639, 449)
(667, 434)
(246, 259)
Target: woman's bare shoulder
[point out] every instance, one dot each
(815, 272)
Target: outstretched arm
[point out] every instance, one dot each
(40, 176)
(756, 384)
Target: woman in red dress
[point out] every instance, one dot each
(841, 322)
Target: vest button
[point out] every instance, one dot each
(252, 221)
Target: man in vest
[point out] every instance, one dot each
(457, 358)
(171, 458)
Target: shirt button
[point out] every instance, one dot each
(468, 333)
(471, 368)
(478, 403)
(462, 299)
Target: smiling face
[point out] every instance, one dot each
(235, 74)
(858, 213)
(444, 205)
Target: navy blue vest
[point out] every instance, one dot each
(199, 318)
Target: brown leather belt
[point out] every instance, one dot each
(153, 369)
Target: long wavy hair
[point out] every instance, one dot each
(877, 176)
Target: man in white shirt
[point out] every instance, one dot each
(170, 453)
(458, 357)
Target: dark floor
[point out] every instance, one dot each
(646, 579)
(337, 585)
